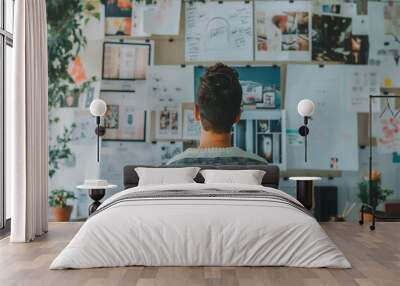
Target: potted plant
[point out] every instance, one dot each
(58, 203)
(378, 194)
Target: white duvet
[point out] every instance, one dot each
(193, 231)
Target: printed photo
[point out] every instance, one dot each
(169, 123)
(263, 126)
(125, 61)
(286, 32)
(265, 147)
(70, 100)
(118, 17)
(331, 38)
(111, 118)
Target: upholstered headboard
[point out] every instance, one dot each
(271, 177)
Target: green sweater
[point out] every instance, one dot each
(216, 156)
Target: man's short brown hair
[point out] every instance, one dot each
(219, 98)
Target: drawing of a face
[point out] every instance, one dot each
(217, 34)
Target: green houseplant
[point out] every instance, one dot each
(58, 202)
(378, 194)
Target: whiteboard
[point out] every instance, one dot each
(333, 130)
(219, 31)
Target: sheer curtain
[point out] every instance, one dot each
(28, 154)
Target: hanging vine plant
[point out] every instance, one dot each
(65, 40)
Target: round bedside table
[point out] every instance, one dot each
(96, 193)
(304, 190)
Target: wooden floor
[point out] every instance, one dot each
(375, 257)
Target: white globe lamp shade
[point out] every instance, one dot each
(305, 108)
(98, 107)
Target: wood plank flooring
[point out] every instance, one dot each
(375, 257)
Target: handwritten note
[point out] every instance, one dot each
(220, 32)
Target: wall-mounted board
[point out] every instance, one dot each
(332, 142)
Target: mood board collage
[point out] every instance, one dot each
(334, 53)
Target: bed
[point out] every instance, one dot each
(199, 224)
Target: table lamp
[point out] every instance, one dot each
(305, 108)
(98, 108)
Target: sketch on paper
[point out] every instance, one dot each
(118, 17)
(219, 32)
(163, 17)
(359, 84)
(169, 123)
(125, 61)
(260, 86)
(123, 120)
(84, 132)
(167, 151)
(388, 133)
(168, 84)
(283, 30)
(191, 128)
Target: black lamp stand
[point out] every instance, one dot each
(303, 131)
(100, 131)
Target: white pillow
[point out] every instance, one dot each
(166, 176)
(248, 177)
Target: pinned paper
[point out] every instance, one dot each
(76, 70)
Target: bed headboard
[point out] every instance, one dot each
(271, 177)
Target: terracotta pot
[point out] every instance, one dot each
(62, 214)
(367, 217)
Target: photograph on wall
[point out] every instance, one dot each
(123, 120)
(191, 128)
(215, 32)
(70, 100)
(118, 17)
(268, 140)
(283, 30)
(391, 19)
(125, 61)
(111, 117)
(263, 133)
(260, 86)
(331, 38)
(169, 123)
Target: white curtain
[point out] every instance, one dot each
(28, 153)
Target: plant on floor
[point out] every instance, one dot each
(58, 202)
(378, 194)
